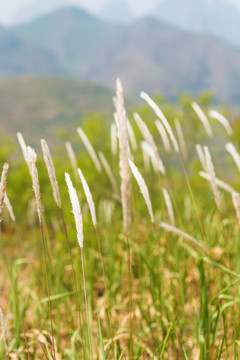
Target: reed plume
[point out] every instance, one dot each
(201, 156)
(213, 182)
(225, 123)
(201, 115)
(31, 158)
(124, 154)
(233, 152)
(80, 237)
(168, 206)
(181, 139)
(158, 164)
(56, 194)
(3, 186)
(143, 188)
(51, 172)
(164, 136)
(23, 147)
(89, 148)
(223, 185)
(162, 117)
(186, 236)
(236, 203)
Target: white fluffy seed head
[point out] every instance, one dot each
(88, 197)
(124, 154)
(221, 184)
(3, 186)
(225, 123)
(236, 203)
(201, 156)
(157, 162)
(162, 117)
(169, 206)
(181, 139)
(233, 152)
(164, 136)
(143, 188)
(181, 233)
(51, 172)
(75, 209)
(90, 148)
(31, 158)
(9, 207)
(211, 172)
(201, 115)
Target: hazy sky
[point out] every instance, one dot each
(9, 8)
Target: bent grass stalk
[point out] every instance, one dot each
(31, 158)
(56, 194)
(91, 205)
(79, 228)
(161, 116)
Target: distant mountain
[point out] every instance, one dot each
(147, 54)
(117, 12)
(39, 107)
(220, 18)
(73, 35)
(18, 56)
(33, 10)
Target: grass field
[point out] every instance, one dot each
(149, 290)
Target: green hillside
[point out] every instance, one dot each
(43, 107)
